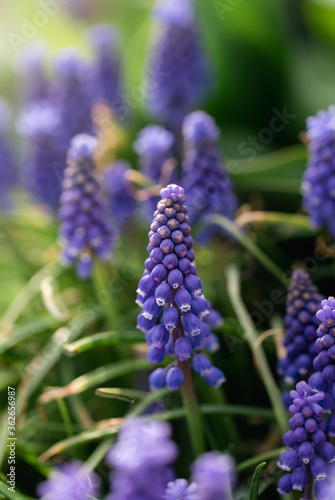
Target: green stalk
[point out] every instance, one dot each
(233, 278)
(104, 295)
(193, 416)
(65, 416)
(250, 462)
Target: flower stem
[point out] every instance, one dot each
(308, 493)
(190, 402)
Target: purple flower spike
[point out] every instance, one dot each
(70, 481)
(303, 301)
(177, 61)
(85, 230)
(215, 476)
(106, 84)
(318, 184)
(141, 460)
(309, 454)
(176, 317)
(205, 176)
(120, 197)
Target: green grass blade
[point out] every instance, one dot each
(101, 339)
(274, 394)
(251, 462)
(128, 395)
(247, 243)
(255, 481)
(26, 331)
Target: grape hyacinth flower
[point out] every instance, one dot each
(70, 482)
(205, 179)
(303, 301)
(324, 377)
(85, 230)
(120, 197)
(71, 95)
(7, 162)
(318, 184)
(178, 60)
(106, 69)
(154, 145)
(215, 476)
(181, 490)
(44, 165)
(171, 290)
(141, 461)
(31, 70)
(310, 453)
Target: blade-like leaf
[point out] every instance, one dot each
(255, 481)
(100, 339)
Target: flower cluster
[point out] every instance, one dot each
(310, 452)
(70, 482)
(318, 184)
(171, 289)
(142, 460)
(324, 377)
(7, 162)
(154, 146)
(120, 198)
(177, 55)
(85, 230)
(206, 179)
(303, 301)
(44, 165)
(106, 69)
(70, 94)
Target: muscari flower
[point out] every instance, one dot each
(106, 68)
(85, 230)
(215, 476)
(310, 453)
(7, 162)
(31, 70)
(171, 291)
(120, 197)
(178, 60)
(303, 301)
(70, 482)
(154, 145)
(44, 163)
(71, 95)
(181, 490)
(318, 184)
(141, 461)
(324, 377)
(205, 177)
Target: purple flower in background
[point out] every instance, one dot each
(309, 452)
(70, 482)
(71, 95)
(171, 291)
(181, 490)
(120, 196)
(215, 476)
(141, 461)
(205, 179)
(44, 163)
(7, 162)
(178, 62)
(31, 70)
(301, 324)
(318, 184)
(154, 145)
(106, 69)
(85, 230)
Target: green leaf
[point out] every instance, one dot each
(255, 481)
(101, 339)
(12, 496)
(26, 331)
(250, 462)
(128, 395)
(274, 394)
(247, 243)
(95, 378)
